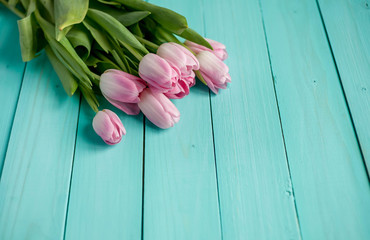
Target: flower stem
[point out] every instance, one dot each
(13, 9)
(149, 44)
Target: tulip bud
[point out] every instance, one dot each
(186, 62)
(214, 71)
(158, 73)
(179, 56)
(108, 126)
(122, 90)
(158, 109)
(218, 48)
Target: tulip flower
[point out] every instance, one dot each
(160, 75)
(108, 126)
(214, 71)
(122, 90)
(186, 62)
(158, 109)
(179, 56)
(218, 48)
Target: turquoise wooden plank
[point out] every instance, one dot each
(11, 72)
(330, 182)
(180, 187)
(106, 187)
(348, 26)
(255, 190)
(35, 181)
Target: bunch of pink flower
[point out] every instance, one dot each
(169, 74)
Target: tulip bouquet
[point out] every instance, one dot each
(125, 50)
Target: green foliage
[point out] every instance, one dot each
(28, 37)
(67, 13)
(84, 38)
(69, 81)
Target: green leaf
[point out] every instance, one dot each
(68, 80)
(12, 3)
(62, 33)
(110, 3)
(169, 19)
(135, 29)
(149, 45)
(67, 13)
(98, 34)
(66, 53)
(81, 40)
(31, 6)
(46, 9)
(92, 61)
(27, 36)
(116, 29)
(165, 36)
(200, 77)
(25, 3)
(130, 18)
(90, 98)
(193, 36)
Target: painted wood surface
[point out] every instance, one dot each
(275, 156)
(348, 26)
(106, 185)
(330, 182)
(180, 186)
(255, 188)
(34, 184)
(11, 69)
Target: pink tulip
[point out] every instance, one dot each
(179, 56)
(158, 73)
(214, 71)
(122, 90)
(186, 62)
(108, 126)
(218, 48)
(158, 109)
(181, 89)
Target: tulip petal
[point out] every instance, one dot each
(158, 109)
(128, 108)
(121, 86)
(102, 125)
(156, 71)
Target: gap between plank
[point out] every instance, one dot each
(212, 129)
(11, 125)
(280, 121)
(143, 182)
(367, 168)
(71, 175)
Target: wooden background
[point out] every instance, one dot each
(280, 154)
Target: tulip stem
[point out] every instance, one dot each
(13, 9)
(149, 44)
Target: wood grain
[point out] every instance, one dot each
(330, 182)
(35, 181)
(106, 187)
(180, 189)
(11, 70)
(348, 26)
(256, 195)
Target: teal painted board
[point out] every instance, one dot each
(35, 181)
(348, 26)
(180, 186)
(11, 72)
(329, 178)
(256, 197)
(106, 186)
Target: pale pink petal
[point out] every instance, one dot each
(128, 108)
